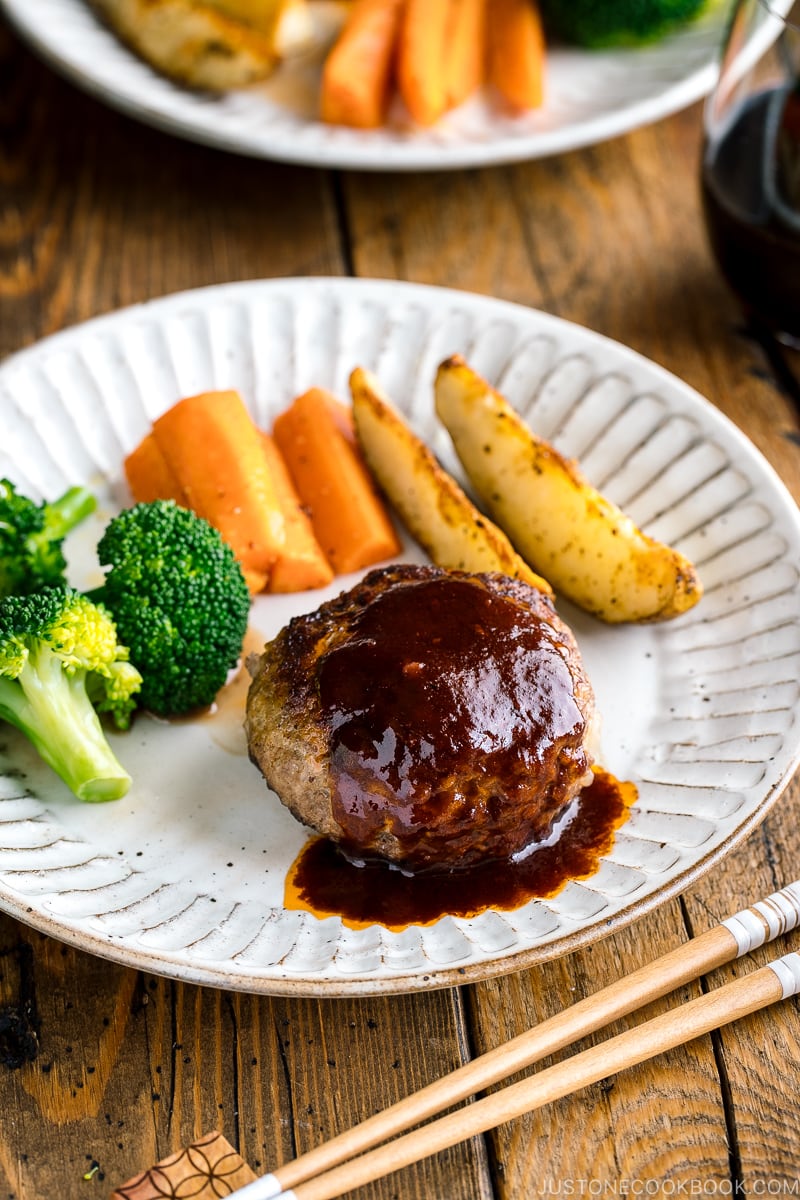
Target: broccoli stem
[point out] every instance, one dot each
(51, 707)
(68, 511)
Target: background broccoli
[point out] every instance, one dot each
(31, 536)
(616, 22)
(59, 658)
(180, 601)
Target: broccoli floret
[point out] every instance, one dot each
(59, 659)
(616, 22)
(31, 536)
(180, 601)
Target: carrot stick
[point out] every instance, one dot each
(300, 564)
(315, 437)
(516, 53)
(215, 451)
(357, 76)
(466, 52)
(149, 477)
(422, 55)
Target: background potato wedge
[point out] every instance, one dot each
(432, 506)
(590, 551)
(262, 15)
(196, 43)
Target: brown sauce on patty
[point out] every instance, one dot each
(453, 722)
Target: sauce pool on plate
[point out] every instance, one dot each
(323, 882)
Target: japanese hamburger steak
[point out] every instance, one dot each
(428, 717)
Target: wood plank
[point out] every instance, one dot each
(660, 292)
(97, 211)
(133, 1067)
(73, 1106)
(758, 1057)
(615, 1130)
(652, 285)
(613, 239)
(366, 1053)
(673, 304)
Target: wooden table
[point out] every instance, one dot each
(97, 211)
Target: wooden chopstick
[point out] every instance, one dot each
(738, 935)
(777, 981)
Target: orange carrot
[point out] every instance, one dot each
(215, 451)
(466, 52)
(149, 477)
(315, 437)
(516, 52)
(422, 55)
(301, 564)
(357, 76)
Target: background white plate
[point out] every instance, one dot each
(185, 876)
(591, 96)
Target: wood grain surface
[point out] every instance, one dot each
(96, 212)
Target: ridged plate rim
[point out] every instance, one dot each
(491, 321)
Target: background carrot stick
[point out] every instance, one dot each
(358, 72)
(466, 50)
(300, 564)
(149, 476)
(315, 437)
(516, 52)
(214, 450)
(422, 55)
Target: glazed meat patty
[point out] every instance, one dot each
(430, 717)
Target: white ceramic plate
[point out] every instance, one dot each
(591, 96)
(185, 876)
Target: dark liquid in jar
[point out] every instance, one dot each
(324, 882)
(750, 182)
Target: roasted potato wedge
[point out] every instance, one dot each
(589, 550)
(258, 14)
(196, 43)
(429, 502)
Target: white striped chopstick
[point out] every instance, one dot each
(319, 1174)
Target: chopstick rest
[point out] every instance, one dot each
(205, 1170)
(738, 935)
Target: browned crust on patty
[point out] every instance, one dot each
(288, 737)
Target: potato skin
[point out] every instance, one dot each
(434, 509)
(192, 42)
(587, 548)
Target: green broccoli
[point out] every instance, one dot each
(31, 536)
(616, 22)
(59, 661)
(180, 601)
